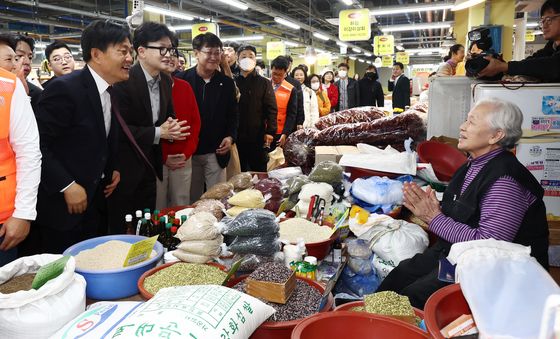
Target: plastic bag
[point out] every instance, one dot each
(218, 191)
(327, 171)
(285, 173)
(251, 222)
(353, 115)
(299, 149)
(275, 159)
(262, 245)
(294, 184)
(241, 181)
(251, 261)
(211, 248)
(271, 188)
(235, 211)
(200, 226)
(323, 190)
(250, 198)
(360, 284)
(360, 260)
(382, 267)
(215, 207)
(191, 257)
(378, 191)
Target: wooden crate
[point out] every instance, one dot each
(270, 291)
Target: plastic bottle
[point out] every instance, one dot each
(137, 218)
(142, 228)
(311, 267)
(294, 253)
(150, 229)
(128, 225)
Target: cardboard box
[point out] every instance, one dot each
(333, 153)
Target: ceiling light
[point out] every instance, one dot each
(413, 27)
(286, 23)
(181, 28)
(400, 47)
(367, 54)
(537, 32)
(530, 24)
(167, 12)
(318, 50)
(259, 56)
(378, 62)
(310, 55)
(243, 38)
(410, 8)
(356, 50)
(341, 44)
(361, 60)
(347, 2)
(353, 58)
(291, 44)
(463, 4)
(320, 36)
(235, 4)
(424, 51)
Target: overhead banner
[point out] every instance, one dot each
(530, 36)
(323, 59)
(206, 27)
(275, 49)
(384, 45)
(354, 25)
(403, 58)
(387, 61)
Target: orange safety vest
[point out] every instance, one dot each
(7, 155)
(282, 98)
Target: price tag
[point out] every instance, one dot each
(387, 61)
(205, 27)
(354, 25)
(384, 45)
(140, 251)
(403, 58)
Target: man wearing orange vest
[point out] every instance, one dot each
(20, 165)
(286, 100)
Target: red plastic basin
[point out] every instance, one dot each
(356, 173)
(445, 159)
(282, 329)
(355, 325)
(443, 307)
(351, 305)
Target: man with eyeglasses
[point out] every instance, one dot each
(60, 60)
(147, 108)
(543, 64)
(215, 96)
(25, 47)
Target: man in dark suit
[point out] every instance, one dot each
(147, 108)
(399, 84)
(348, 89)
(78, 135)
(25, 47)
(300, 114)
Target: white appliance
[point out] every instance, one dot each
(539, 148)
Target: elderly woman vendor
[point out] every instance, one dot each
(492, 196)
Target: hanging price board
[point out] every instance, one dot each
(530, 36)
(403, 58)
(387, 61)
(354, 25)
(275, 49)
(384, 45)
(323, 59)
(206, 27)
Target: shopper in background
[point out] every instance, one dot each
(79, 135)
(257, 113)
(8, 57)
(286, 101)
(399, 84)
(146, 106)
(357, 77)
(449, 66)
(181, 62)
(175, 187)
(371, 92)
(60, 60)
(25, 47)
(300, 115)
(310, 104)
(322, 97)
(331, 89)
(492, 196)
(215, 96)
(348, 89)
(230, 55)
(260, 68)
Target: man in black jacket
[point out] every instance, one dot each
(371, 92)
(348, 89)
(25, 47)
(399, 84)
(543, 64)
(257, 113)
(300, 115)
(215, 96)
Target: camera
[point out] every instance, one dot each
(481, 45)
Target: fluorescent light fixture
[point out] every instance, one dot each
(236, 4)
(318, 50)
(167, 12)
(320, 36)
(347, 2)
(341, 44)
(181, 28)
(410, 8)
(463, 4)
(423, 51)
(310, 55)
(356, 50)
(259, 56)
(424, 65)
(537, 32)
(530, 24)
(368, 54)
(400, 48)
(243, 38)
(41, 44)
(291, 44)
(353, 58)
(413, 27)
(286, 23)
(361, 60)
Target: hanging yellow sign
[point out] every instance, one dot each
(387, 61)
(384, 45)
(323, 59)
(354, 25)
(403, 58)
(206, 27)
(530, 36)
(275, 49)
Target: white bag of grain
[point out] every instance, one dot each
(40, 313)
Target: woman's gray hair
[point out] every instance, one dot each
(505, 116)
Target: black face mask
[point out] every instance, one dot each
(372, 76)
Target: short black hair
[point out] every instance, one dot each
(399, 64)
(315, 76)
(150, 32)
(28, 40)
(323, 77)
(289, 58)
(175, 40)
(299, 68)
(261, 64)
(101, 34)
(8, 40)
(343, 64)
(206, 39)
(246, 48)
(232, 44)
(181, 55)
(55, 45)
(553, 5)
(280, 62)
(371, 68)
(305, 68)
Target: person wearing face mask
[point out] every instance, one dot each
(348, 89)
(323, 101)
(310, 104)
(331, 89)
(257, 113)
(371, 92)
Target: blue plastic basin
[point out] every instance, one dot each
(117, 283)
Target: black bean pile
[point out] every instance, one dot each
(304, 302)
(272, 272)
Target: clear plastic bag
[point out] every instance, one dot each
(250, 198)
(211, 248)
(191, 257)
(361, 256)
(294, 184)
(353, 115)
(285, 173)
(253, 222)
(218, 191)
(327, 171)
(241, 181)
(262, 245)
(378, 191)
(271, 189)
(200, 226)
(359, 284)
(214, 207)
(299, 149)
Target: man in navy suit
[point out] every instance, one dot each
(79, 134)
(399, 84)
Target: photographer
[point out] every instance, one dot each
(545, 63)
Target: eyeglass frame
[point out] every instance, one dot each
(164, 50)
(66, 57)
(547, 20)
(211, 53)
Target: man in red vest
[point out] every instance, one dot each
(286, 100)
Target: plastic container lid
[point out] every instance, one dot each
(128, 218)
(138, 214)
(310, 259)
(147, 216)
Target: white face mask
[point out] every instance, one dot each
(342, 74)
(247, 64)
(315, 86)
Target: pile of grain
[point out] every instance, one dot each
(292, 229)
(19, 283)
(107, 256)
(183, 274)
